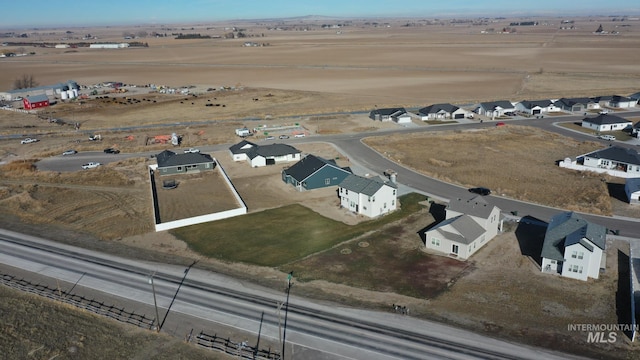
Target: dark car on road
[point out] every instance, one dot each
(111, 151)
(480, 191)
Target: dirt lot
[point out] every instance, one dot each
(315, 72)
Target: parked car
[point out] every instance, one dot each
(603, 112)
(191, 151)
(270, 138)
(480, 191)
(500, 123)
(29, 141)
(91, 165)
(607, 137)
(283, 137)
(111, 151)
(299, 135)
(69, 152)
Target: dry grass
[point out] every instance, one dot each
(514, 161)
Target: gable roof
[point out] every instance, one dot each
(606, 119)
(569, 228)
(363, 185)
(388, 111)
(635, 96)
(168, 158)
(309, 165)
(633, 184)
(476, 206)
(533, 103)
(617, 153)
(461, 229)
(436, 108)
(492, 105)
(272, 150)
(575, 101)
(37, 98)
(242, 147)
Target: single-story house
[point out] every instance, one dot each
(618, 101)
(495, 108)
(576, 104)
(398, 115)
(239, 151)
(314, 172)
(272, 154)
(35, 101)
(613, 158)
(442, 112)
(632, 189)
(170, 163)
(635, 97)
(371, 197)
(573, 247)
(535, 107)
(606, 122)
(468, 226)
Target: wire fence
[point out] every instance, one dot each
(240, 349)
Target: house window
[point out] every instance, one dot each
(385, 205)
(394, 192)
(369, 199)
(605, 162)
(346, 192)
(454, 248)
(435, 241)
(393, 202)
(580, 255)
(327, 181)
(574, 254)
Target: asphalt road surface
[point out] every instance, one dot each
(310, 331)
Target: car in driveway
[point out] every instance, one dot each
(283, 137)
(607, 137)
(270, 138)
(28, 141)
(69, 152)
(111, 151)
(91, 165)
(191, 151)
(480, 191)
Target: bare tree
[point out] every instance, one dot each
(24, 82)
(142, 34)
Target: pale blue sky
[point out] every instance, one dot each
(43, 13)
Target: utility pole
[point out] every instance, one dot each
(155, 302)
(286, 312)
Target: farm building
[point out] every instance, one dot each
(35, 102)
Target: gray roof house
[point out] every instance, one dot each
(170, 163)
(576, 104)
(469, 225)
(616, 159)
(313, 172)
(573, 247)
(495, 108)
(615, 101)
(535, 107)
(239, 151)
(271, 154)
(606, 122)
(442, 112)
(399, 115)
(370, 197)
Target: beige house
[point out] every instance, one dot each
(468, 226)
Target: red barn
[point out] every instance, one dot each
(35, 101)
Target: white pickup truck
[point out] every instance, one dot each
(29, 141)
(90, 165)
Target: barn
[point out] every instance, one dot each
(35, 101)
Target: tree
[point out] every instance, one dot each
(24, 82)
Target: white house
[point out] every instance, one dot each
(468, 226)
(239, 151)
(632, 189)
(272, 154)
(495, 108)
(398, 115)
(109, 46)
(371, 197)
(536, 107)
(573, 247)
(442, 112)
(606, 122)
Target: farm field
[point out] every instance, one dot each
(327, 83)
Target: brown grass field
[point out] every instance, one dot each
(304, 73)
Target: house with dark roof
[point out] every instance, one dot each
(576, 104)
(606, 122)
(495, 108)
(620, 159)
(536, 107)
(398, 115)
(635, 97)
(469, 224)
(632, 189)
(239, 151)
(573, 247)
(314, 172)
(442, 112)
(272, 154)
(615, 101)
(370, 197)
(170, 163)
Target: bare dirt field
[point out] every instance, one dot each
(302, 73)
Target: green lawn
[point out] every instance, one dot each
(280, 236)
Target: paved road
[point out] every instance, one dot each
(313, 331)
